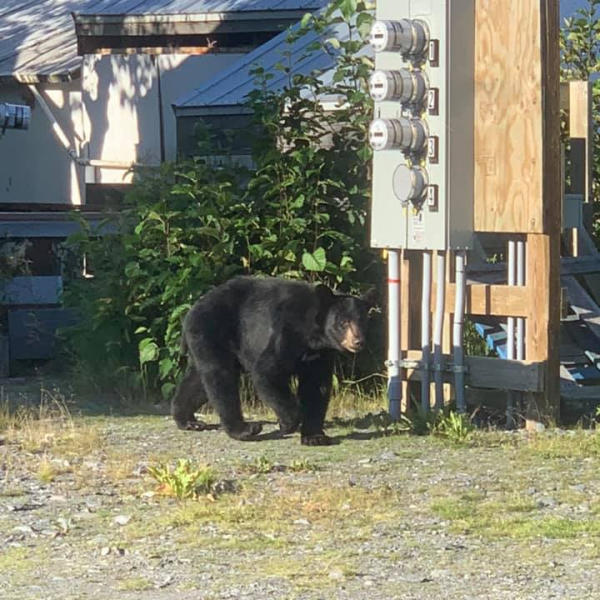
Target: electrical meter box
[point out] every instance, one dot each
(422, 131)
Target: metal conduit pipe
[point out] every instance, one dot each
(510, 322)
(521, 282)
(425, 328)
(510, 331)
(457, 332)
(393, 364)
(438, 329)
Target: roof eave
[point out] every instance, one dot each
(29, 77)
(207, 111)
(184, 24)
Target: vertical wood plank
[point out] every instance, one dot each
(410, 318)
(580, 132)
(543, 251)
(508, 116)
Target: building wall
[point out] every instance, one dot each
(34, 165)
(121, 100)
(111, 114)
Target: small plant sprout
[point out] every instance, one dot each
(185, 480)
(455, 427)
(302, 465)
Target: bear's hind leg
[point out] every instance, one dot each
(189, 397)
(221, 382)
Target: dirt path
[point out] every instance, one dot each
(377, 516)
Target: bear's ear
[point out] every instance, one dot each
(324, 294)
(370, 297)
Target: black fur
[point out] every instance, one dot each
(273, 329)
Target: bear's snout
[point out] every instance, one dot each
(353, 340)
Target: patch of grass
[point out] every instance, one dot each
(278, 512)
(47, 471)
(48, 426)
(135, 584)
(513, 516)
(570, 444)
(261, 465)
(185, 480)
(350, 399)
(303, 465)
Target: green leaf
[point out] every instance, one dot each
(164, 367)
(148, 350)
(316, 261)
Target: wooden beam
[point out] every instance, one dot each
(496, 273)
(489, 300)
(485, 372)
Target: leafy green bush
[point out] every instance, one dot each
(300, 212)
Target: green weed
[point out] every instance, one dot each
(185, 480)
(454, 427)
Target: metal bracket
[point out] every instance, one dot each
(417, 365)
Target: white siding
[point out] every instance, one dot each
(34, 165)
(120, 95)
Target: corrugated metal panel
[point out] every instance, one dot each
(38, 41)
(231, 87)
(131, 7)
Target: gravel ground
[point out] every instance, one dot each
(378, 516)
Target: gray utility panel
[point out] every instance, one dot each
(422, 132)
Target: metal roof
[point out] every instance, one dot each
(166, 7)
(227, 92)
(38, 40)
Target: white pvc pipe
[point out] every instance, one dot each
(56, 128)
(425, 329)
(438, 330)
(457, 332)
(64, 140)
(510, 322)
(521, 282)
(394, 382)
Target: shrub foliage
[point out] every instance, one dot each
(300, 213)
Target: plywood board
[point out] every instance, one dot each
(509, 106)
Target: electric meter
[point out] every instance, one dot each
(408, 36)
(405, 86)
(410, 183)
(405, 134)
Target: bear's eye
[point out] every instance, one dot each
(345, 323)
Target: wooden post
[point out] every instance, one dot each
(543, 250)
(410, 318)
(580, 132)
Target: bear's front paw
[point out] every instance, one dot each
(317, 439)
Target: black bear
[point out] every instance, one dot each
(273, 329)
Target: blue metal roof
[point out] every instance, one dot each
(228, 91)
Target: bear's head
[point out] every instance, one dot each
(345, 318)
